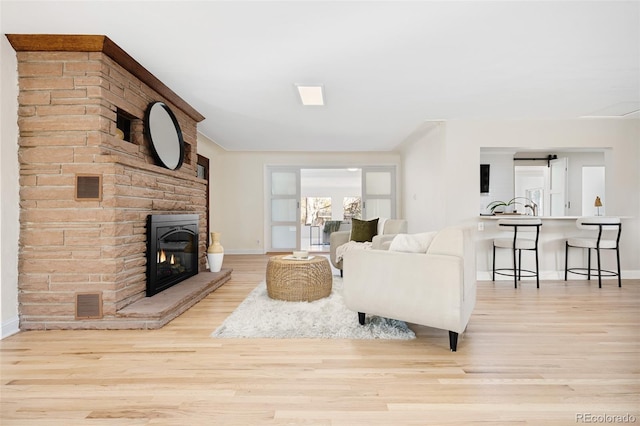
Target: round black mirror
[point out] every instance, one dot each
(164, 134)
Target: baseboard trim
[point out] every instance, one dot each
(10, 327)
(244, 251)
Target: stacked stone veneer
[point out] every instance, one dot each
(67, 124)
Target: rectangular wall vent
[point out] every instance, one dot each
(89, 187)
(89, 305)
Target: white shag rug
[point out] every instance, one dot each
(260, 316)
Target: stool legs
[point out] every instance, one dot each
(515, 268)
(566, 259)
(599, 273)
(619, 276)
(588, 273)
(537, 271)
(493, 276)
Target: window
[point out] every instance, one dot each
(352, 208)
(315, 210)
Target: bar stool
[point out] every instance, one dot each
(520, 241)
(602, 224)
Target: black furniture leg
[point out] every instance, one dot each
(340, 273)
(493, 277)
(566, 259)
(515, 269)
(599, 273)
(519, 265)
(537, 270)
(361, 318)
(589, 264)
(619, 276)
(453, 341)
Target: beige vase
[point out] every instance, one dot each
(215, 253)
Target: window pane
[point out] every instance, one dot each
(378, 183)
(378, 208)
(283, 237)
(283, 210)
(316, 210)
(352, 208)
(283, 183)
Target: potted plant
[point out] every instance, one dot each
(506, 206)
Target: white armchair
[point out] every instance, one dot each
(436, 288)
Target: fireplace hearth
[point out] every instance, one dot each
(172, 250)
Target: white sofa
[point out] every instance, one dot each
(436, 289)
(380, 241)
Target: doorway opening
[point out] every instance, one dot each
(329, 195)
(330, 198)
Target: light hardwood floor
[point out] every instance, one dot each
(534, 357)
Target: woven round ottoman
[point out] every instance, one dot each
(298, 280)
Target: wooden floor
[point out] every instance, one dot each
(534, 357)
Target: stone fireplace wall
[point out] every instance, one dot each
(68, 106)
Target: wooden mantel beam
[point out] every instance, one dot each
(99, 43)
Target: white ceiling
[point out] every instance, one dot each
(387, 67)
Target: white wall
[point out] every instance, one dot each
(458, 173)
(421, 179)
(9, 185)
(237, 187)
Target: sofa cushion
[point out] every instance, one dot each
(363, 230)
(381, 222)
(395, 226)
(412, 243)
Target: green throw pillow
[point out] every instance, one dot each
(363, 230)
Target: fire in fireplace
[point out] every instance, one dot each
(172, 250)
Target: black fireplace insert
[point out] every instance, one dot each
(172, 250)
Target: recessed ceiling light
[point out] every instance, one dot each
(311, 95)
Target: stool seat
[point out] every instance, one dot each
(521, 243)
(591, 243)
